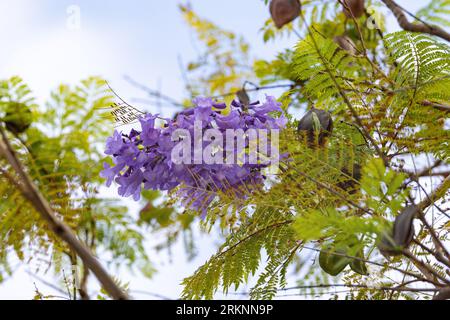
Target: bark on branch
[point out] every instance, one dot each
(34, 196)
(414, 27)
(438, 106)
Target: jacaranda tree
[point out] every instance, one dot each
(357, 200)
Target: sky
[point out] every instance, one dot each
(43, 43)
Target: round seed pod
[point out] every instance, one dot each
(317, 125)
(18, 117)
(335, 257)
(356, 8)
(332, 262)
(404, 227)
(284, 11)
(345, 43)
(392, 243)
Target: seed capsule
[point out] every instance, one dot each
(359, 266)
(335, 257)
(284, 11)
(332, 261)
(356, 8)
(402, 234)
(18, 117)
(345, 43)
(317, 125)
(404, 227)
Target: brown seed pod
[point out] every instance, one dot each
(243, 97)
(356, 8)
(345, 43)
(317, 125)
(402, 234)
(284, 11)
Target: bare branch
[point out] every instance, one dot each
(153, 93)
(439, 106)
(414, 27)
(426, 270)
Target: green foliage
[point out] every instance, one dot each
(381, 188)
(222, 65)
(62, 151)
(436, 12)
(317, 68)
(319, 216)
(421, 74)
(276, 70)
(341, 197)
(239, 257)
(419, 58)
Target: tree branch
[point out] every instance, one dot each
(426, 270)
(153, 93)
(414, 27)
(439, 106)
(438, 193)
(33, 195)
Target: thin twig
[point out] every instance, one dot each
(46, 283)
(153, 93)
(440, 106)
(426, 270)
(328, 188)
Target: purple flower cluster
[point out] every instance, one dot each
(143, 158)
